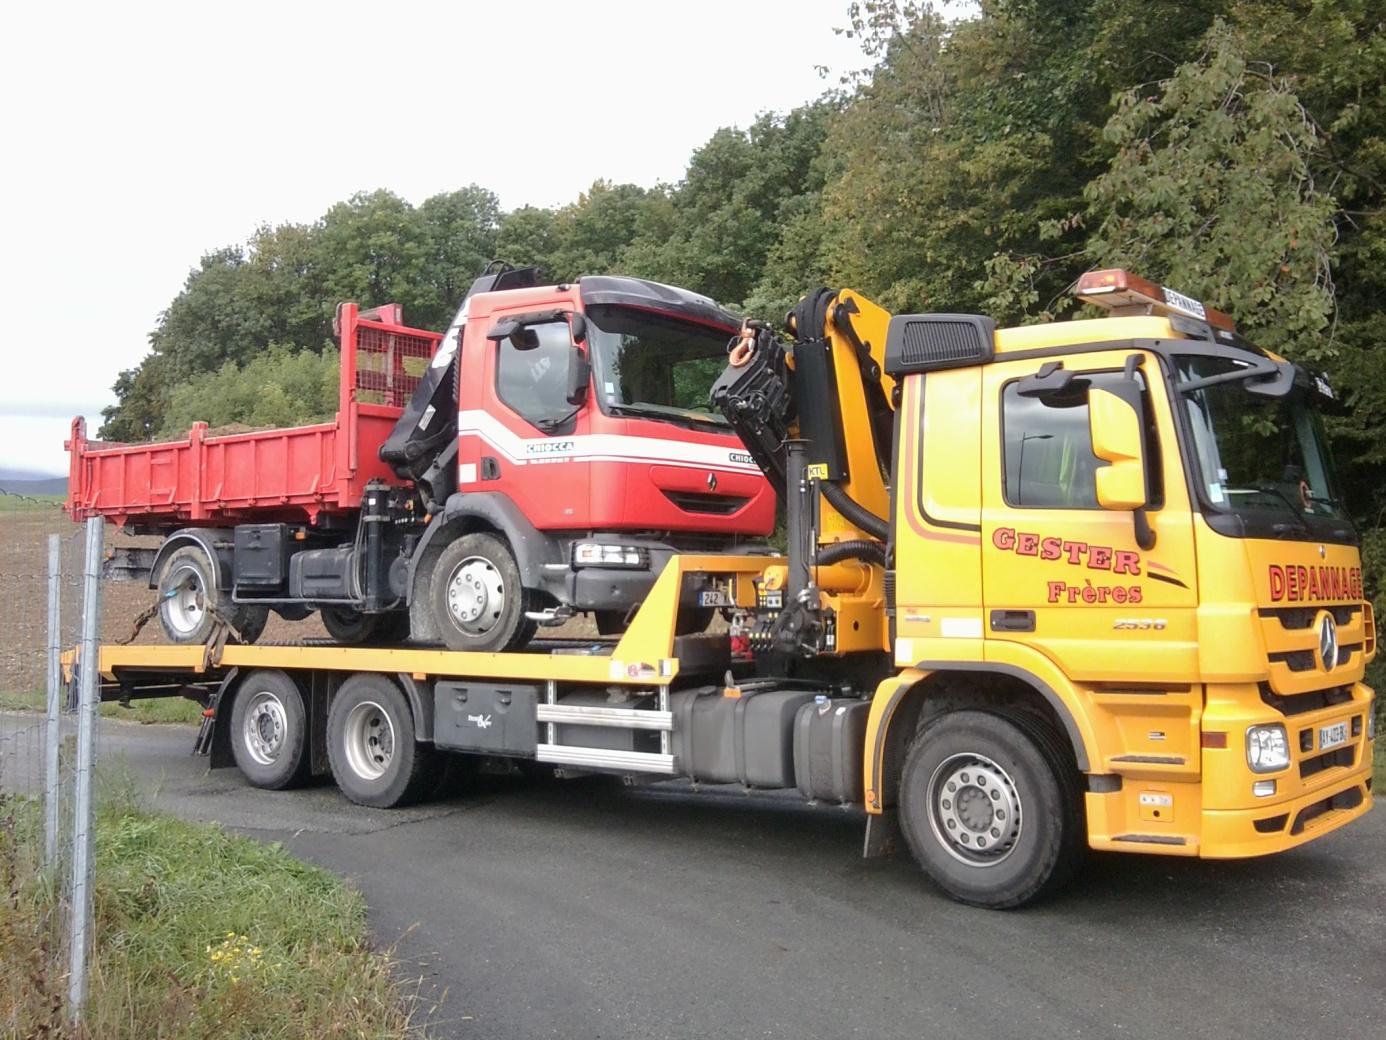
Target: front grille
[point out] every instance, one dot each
(1343, 756)
(1304, 660)
(1349, 799)
(1300, 703)
(701, 502)
(1299, 618)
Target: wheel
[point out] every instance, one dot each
(269, 730)
(370, 744)
(989, 808)
(187, 589)
(476, 596)
(349, 626)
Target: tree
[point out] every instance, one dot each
(278, 387)
(1213, 186)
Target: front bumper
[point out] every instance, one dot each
(1240, 833)
(1216, 815)
(617, 588)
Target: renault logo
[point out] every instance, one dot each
(712, 481)
(1328, 641)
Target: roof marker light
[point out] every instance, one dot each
(1122, 292)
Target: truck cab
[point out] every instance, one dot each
(584, 441)
(1113, 574)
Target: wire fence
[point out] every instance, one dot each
(48, 741)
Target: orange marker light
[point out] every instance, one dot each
(1116, 289)
(1214, 739)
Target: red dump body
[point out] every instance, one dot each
(291, 475)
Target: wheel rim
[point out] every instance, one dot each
(974, 810)
(476, 595)
(369, 736)
(266, 724)
(185, 600)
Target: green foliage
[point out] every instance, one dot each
(1213, 186)
(284, 285)
(196, 933)
(280, 387)
(984, 158)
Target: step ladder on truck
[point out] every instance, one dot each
(1043, 591)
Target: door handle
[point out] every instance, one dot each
(1012, 620)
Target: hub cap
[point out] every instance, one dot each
(265, 726)
(369, 739)
(476, 595)
(185, 600)
(974, 810)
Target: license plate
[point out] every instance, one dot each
(1332, 736)
(713, 598)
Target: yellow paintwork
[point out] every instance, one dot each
(643, 656)
(1139, 699)
(1145, 677)
(855, 592)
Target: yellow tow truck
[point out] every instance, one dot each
(1087, 584)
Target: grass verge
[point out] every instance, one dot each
(149, 710)
(197, 933)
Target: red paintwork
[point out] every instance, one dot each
(293, 474)
(296, 475)
(607, 495)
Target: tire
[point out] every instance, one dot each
(187, 587)
(370, 744)
(476, 597)
(349, 626)
(1009, 830)
(269, 731)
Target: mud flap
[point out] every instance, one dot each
(882, 835)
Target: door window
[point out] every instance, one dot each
(1049, 463)
(534, 383)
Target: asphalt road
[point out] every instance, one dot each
(586, 909)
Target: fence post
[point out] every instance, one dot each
(51, 789)
(90, 687)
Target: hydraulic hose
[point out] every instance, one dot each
(854, 512)
(858, 549)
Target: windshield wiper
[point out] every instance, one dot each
(655, 411)
(1270, 489)
(1279, 377)
(550, 423)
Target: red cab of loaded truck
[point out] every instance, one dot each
(544, 456)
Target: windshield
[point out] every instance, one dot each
(1261, 458)
(653, 365)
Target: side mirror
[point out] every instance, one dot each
(579, 375)
(1114, 421)
(503, 329)
(521, 335)
(579, 326)
(524, 338)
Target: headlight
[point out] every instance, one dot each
(598, 554)
(1267, 748)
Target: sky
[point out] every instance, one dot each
(140, 136)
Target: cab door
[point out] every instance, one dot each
(1060, 574)
(530, 428)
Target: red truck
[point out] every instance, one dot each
(547, 455)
